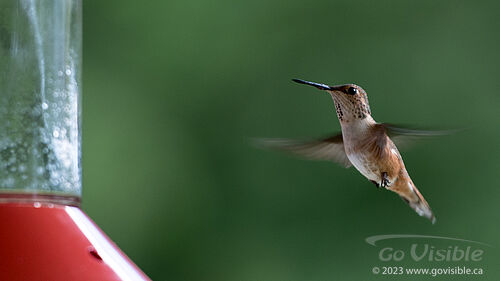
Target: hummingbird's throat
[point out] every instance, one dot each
(338, 109)
(351, 108)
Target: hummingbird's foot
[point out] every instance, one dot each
(376, 183)
(385, 180)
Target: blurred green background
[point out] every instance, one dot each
(174, 89)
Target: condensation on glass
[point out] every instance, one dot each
(40, 61)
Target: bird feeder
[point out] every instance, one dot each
(44, 235)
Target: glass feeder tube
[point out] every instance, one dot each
(40, 85)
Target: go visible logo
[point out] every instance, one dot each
(471, 251)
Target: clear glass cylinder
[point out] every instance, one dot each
(40, 85)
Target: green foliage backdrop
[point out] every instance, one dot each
(174, 89)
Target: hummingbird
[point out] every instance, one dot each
(363, 143)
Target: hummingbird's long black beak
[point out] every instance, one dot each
(317, 85)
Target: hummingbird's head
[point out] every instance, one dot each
(351, 101)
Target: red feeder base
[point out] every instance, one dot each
(44, 241)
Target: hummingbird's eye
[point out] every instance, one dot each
(352, 91)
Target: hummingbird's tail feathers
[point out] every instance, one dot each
(329, 149)
(422, 209)
(416, 201)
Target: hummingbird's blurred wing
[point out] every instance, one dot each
(329, 149)
(402, 137)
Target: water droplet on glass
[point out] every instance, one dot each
(9, 182)
(45, 106)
